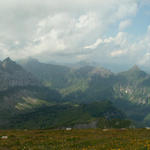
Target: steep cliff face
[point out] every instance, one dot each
(133, 85)
(13, 75)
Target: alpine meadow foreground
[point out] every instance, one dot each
(90, 139)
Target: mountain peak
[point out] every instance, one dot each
(134, 74)
(13, 75)
(135, 68)
(9, 65)
(7, 60)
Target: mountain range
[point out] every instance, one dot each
(39, 95)
(132, 84)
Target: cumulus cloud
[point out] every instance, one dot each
(124, 49)
(70, 30)
(119, 40)
(110, 48)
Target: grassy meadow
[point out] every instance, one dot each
(91, 139)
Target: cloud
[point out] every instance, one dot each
(95, 45)
(145, 60)
(119, 40)
(124, 24)
(62, 33)
(117, 53)
(65, 29)
(122, 48)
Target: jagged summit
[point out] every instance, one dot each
(12, 75)
(132, 70)
(10, 66)
(136, 71)
(134, 74)
(8, 59)
(135, 68)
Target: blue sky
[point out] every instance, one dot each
(105, 31)
(140, 22)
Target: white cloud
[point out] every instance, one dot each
(124, 24)
(119, 40)
(117, 53)
(145, 60)
(93, 46)
(62, 32)
(123, 49)
(52, 28)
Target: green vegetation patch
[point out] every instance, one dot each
(91, 139)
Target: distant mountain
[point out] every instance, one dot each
(128, 91)
(13, 75)
(30, 96)
(50, 75)
(133, 85)
(134, 74)
(20, 91)
(84, 83)
(92, 83)
(66, 79)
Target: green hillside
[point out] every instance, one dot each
(40, 95)
(93, 115)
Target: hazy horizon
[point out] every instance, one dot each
(115, 68)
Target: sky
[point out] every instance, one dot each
(104, 31)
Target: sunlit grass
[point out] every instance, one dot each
(92, 139)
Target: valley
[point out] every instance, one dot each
(36, 95)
